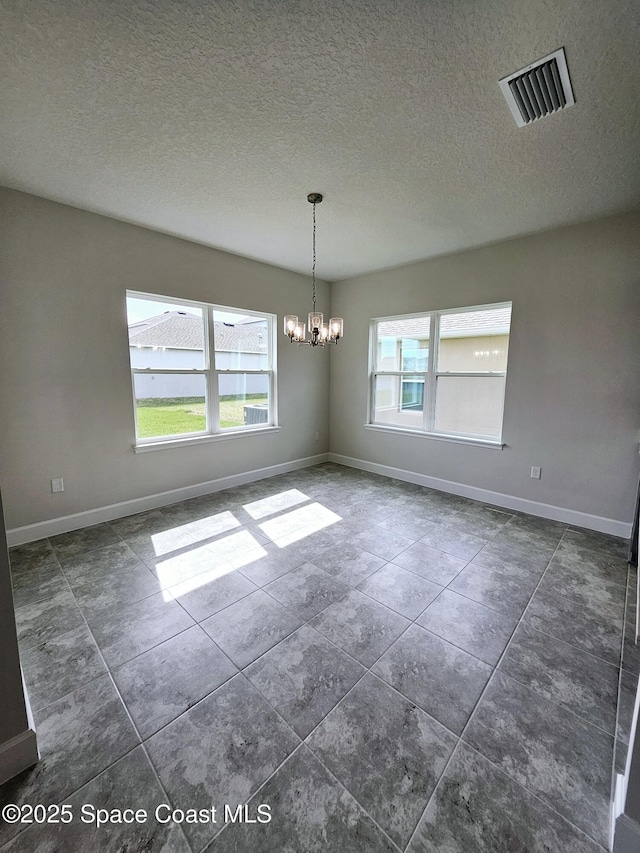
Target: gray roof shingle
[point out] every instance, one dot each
(182, 330)
(494, 321)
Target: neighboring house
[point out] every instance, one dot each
(470, 342)
(175, 341)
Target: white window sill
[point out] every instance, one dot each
(456, 439)
(172, 443)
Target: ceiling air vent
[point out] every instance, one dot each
(539, 89)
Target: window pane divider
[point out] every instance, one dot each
(241, 370)
(420, 373)
(213, 405)
(178, 371)
(488, 373)
(429, 414)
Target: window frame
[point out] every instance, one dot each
(211, 375)
(431, 375)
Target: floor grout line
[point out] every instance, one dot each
(413, 621)
(137, 732)
(530, 792)
(108, 674)
(480, 698)
(366, 669)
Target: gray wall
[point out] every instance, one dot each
(65, 385)
(572, 400)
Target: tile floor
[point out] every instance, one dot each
(388, 668)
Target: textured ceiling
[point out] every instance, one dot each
(213, 120)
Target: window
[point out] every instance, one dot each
(442, 373)
(199, 370)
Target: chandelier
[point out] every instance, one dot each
(321, 333)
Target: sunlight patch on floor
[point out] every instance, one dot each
(195, 569)
(299, 523)
(194, 531)
(275, 503)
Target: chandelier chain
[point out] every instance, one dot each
(313, 269)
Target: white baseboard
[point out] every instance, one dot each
(617, 804)
(17, 754)
(556, 513)
(53, 526)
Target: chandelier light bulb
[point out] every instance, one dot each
(290, 322)
(315, 320)
(336, 325)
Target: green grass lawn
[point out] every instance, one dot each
(158, 417)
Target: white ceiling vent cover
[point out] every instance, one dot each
(539, 89)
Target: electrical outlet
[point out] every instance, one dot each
(317, 436)
(536, 472)
(57, 485)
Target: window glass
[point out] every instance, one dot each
(241, 341)
(403, 344)
(413, 393)
(243, 399)
(169, 404)
(469, 405)
(399, 400)
(474, 341)
(414, 354)
(165, 336)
